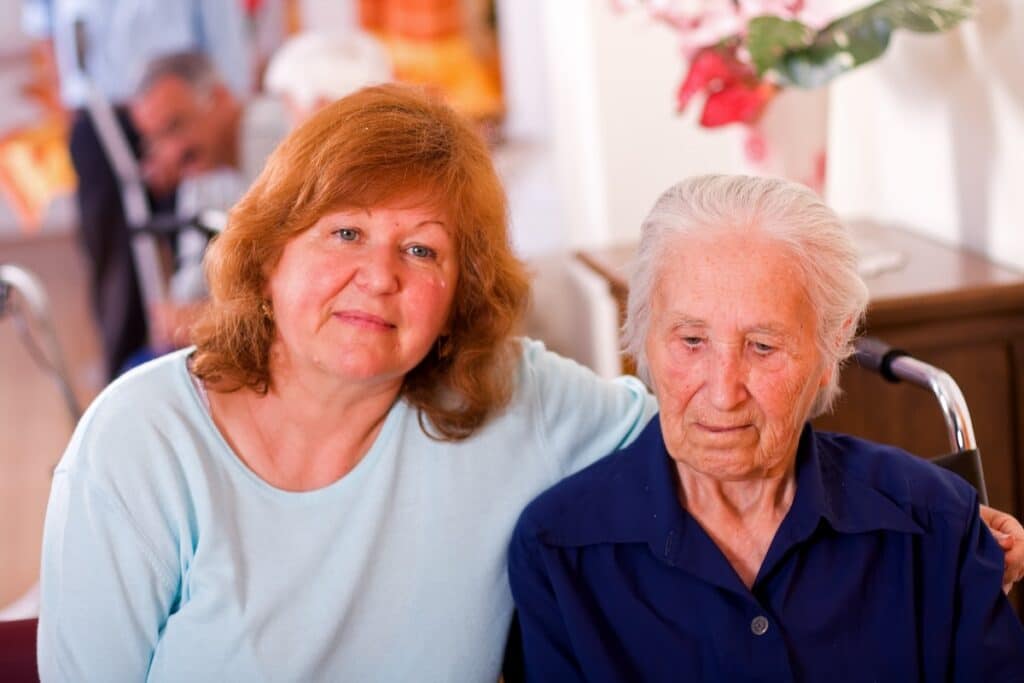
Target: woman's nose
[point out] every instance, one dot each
(378, 271)
(727, 379)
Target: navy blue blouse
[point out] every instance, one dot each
(880, 571)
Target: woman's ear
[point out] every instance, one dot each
(839, 342)
(846, 332)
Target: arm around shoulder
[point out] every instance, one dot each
(581, 416)
(989, 636)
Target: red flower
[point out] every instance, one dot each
(734, 93)
(252, 7)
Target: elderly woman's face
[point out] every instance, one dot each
(732, 355)
(364, 294)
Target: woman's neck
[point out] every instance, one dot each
(741, 517)
(303, 435)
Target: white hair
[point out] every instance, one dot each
(784, 211)
(323, 66)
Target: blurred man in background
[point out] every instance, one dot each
(199, 137)
(101, 48)
(203, 141)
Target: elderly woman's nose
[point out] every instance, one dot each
(727, 378)
(378, 270)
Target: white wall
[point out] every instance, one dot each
(591, 97)
(647, 146)
(932, 135)
(609, 83)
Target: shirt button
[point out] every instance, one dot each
(759, 626)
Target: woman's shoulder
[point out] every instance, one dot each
(161, 384)
(551, 371)
(910, 481)
(135, 416)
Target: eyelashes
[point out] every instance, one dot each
(418, 251)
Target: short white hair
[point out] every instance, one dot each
(325, 66)
(784, 211)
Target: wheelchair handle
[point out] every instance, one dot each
(31, 289)
(210, 222)
(896, 365)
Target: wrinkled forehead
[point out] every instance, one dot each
(743, 274)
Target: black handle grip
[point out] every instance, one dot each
(207, 221)
(874, 354)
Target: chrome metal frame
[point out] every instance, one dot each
(31, 291)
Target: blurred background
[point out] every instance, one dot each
(586, 105)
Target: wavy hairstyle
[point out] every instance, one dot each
(377, 145)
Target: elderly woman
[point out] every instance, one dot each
(325, 486)
(731, 541)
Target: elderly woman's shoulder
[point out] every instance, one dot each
(598, 503)
(908, 480)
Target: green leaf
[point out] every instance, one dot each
(769, 38)
(835, 51)
(928, 16)
(924, 16)
(862, 36)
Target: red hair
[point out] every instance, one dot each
(380, 144)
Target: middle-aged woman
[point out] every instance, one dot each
(324, 487)
(731, 541)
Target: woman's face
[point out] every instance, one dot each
(733, 355)
(363, 294)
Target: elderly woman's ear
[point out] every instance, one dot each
(847, 331)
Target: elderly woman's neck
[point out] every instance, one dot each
(703, 493)
(740, 516)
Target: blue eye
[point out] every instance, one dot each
(347, 234)
(693, 342)
(420, 251)
(762, 349)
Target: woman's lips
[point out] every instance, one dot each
(364, 320)
(723, 429)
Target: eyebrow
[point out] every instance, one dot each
(369, 214)
(769, 328)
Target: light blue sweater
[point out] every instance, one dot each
(166, 559)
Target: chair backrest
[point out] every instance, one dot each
(896, 365)
(18, 651)
(967, 464)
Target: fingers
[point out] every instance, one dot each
(1004, 540)
(987, 514)
(1013, 566)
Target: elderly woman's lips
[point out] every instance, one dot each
(365, 320)
(722, 429)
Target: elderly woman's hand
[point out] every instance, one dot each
(1010, 535)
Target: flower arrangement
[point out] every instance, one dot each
(742, 52)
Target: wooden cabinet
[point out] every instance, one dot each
(948, 307)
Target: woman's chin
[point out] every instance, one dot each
(735, 463)
(363, 366)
